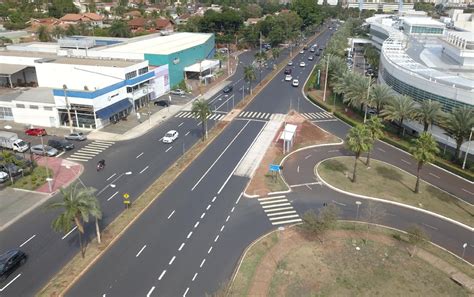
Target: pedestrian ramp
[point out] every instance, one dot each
(255, 115)
(318, 116)
(190, 115)
(279, 210)
(90, 151)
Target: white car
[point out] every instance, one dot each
(302, 64)
(301, 51)
(170, 136)
(290, 63)
(288, 77)
(295, 83)
(3, 177)
(178, 92)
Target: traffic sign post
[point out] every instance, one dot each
(126, 200)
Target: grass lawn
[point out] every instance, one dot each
(393, 184)
(32, 181)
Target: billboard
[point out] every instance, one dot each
(161, 81)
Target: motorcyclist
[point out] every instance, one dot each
(101, 165)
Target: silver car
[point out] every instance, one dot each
(76, 136)
(177, 92)
(44, 150)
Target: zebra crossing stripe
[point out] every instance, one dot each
(284, 217)
(273, 201)
(278, 209)
(270, 198)
(280, 213)
(267, 116)
(243, 114)
(98, 145)
(77, 159)
(275, 205)
(87, 154)
(82, 157)
(86, 149)
(305, 116)
(287, 222)
(104, 141)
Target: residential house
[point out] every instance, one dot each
(137, 24)
(93, 19)
(182, 19)
(164, 25)
(49, 23)
(132, 14)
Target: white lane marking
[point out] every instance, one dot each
(202, 262)
(429, 226)
(151, 291)
(194, 277)
(333, 151)
(284, 217)
(72, 230)
(278, 209)
(168, 149)
(197, 224)
(187, 133)
(222, 228)
(110, 198)
(186, 292)
(238, 199)
(218, 158)
(189, 234)
(141, 250)
(308, 156)
(298, 169)
(227, 219)
(162, 274)
(172, 260)
(434, 175)
(287, 222)
(21, 245)
(209, 251)
(171, 214)
(181, 247)
(232, 210)
(141, 154)
(143, 170)
(203, 214)
(60, 154)
(180, 124)
(275, 205)
(111, 176)
(271, 198)
(467, 191)
(1, 290)
(281, 213)
(382, 150)
(214, 199)
(209, 206)
(338, 203)
(217, 237)
(405, 161)
(273, 201)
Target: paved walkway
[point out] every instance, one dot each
(63, 173)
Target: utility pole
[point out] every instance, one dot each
(260, 40)
(68, 107)
(326, 79)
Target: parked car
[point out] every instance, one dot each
(228, 89)
(170, 136)
(162, 103)
(61, 144)
(288, 77)
(12, 169)
(36, 132)
(311, 58)
(24, 161)
(312, 49)
(288, 71)
(47, 150)
(301, 51)
(305, 47)
(10, 261)
(302, 64)
(76, 136)
(318, 54)
(295, 83)
(290, 63)
(177, 92)
(3, 177)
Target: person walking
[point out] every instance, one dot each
(139, 118)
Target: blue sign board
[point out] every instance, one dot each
(274, 167)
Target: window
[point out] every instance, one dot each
(6, 113)
(142, 70)
(47, 108)
(131, 74)
(20, 105)
(33, 106)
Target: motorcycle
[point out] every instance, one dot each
(100, 166)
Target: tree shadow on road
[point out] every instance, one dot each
(392, 174)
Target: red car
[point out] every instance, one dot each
(36, 132)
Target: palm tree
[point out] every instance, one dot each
(202, 110)
(261, 58)
(427, 113)
(399, 109)
(43, 34)
(381, 94)
(458, 125)
(276, 53)
(71, 30)
(424, 151)
(343, 83)
(119, 29)
(83, 28)
(77, 206)
(358, 141)
(374, 127)
(357, 92)
(249, 75)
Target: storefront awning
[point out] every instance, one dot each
(202, 66)
(10, 69)
(112, 109)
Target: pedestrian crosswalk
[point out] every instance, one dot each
(190, 115)
(89, 151)
(279, 210)
(261, 115)
(323, 115)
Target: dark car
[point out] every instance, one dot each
(60, 144)
(11, 169)
(163, 103)
(287, 71)
(228, 89)
(10, 261)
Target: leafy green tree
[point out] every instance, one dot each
(427, 113)
(91, 7)
(399, 109)
(58, 32)
(249, 75)
(119, 29)
(458, 125)
(58, 8)
(424, 150)
(358, 141)
(7, 157)
(381, 94)
(374, 127)
(416, 236)
(43, 34)
(318, 224)
(260, 58)
(357, 92)
(71, 30)
(276, 53)
(202, 110)
(372, 55)
(77, 206)
(83, 28)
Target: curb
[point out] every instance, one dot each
(389, 202)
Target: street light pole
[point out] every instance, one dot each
(368, 94)
(68, 107)
(464, 249)
(326, 79)
(358, 203)
(468, 148)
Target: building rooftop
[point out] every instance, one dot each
(160, 45)
(38, 95)
(420, 21)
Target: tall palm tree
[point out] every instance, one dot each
(458, 125)
(43, 34)
(399, 109)
(249, 75)
(119, 29)
(427, 113)
(202, 110)
(381, 94)
(424, 150)
(357, 93)
(276, 53)
(343, 83)
(58, 32)
(261, 58)
(374, 127)
(77, 206)
(358, 141)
